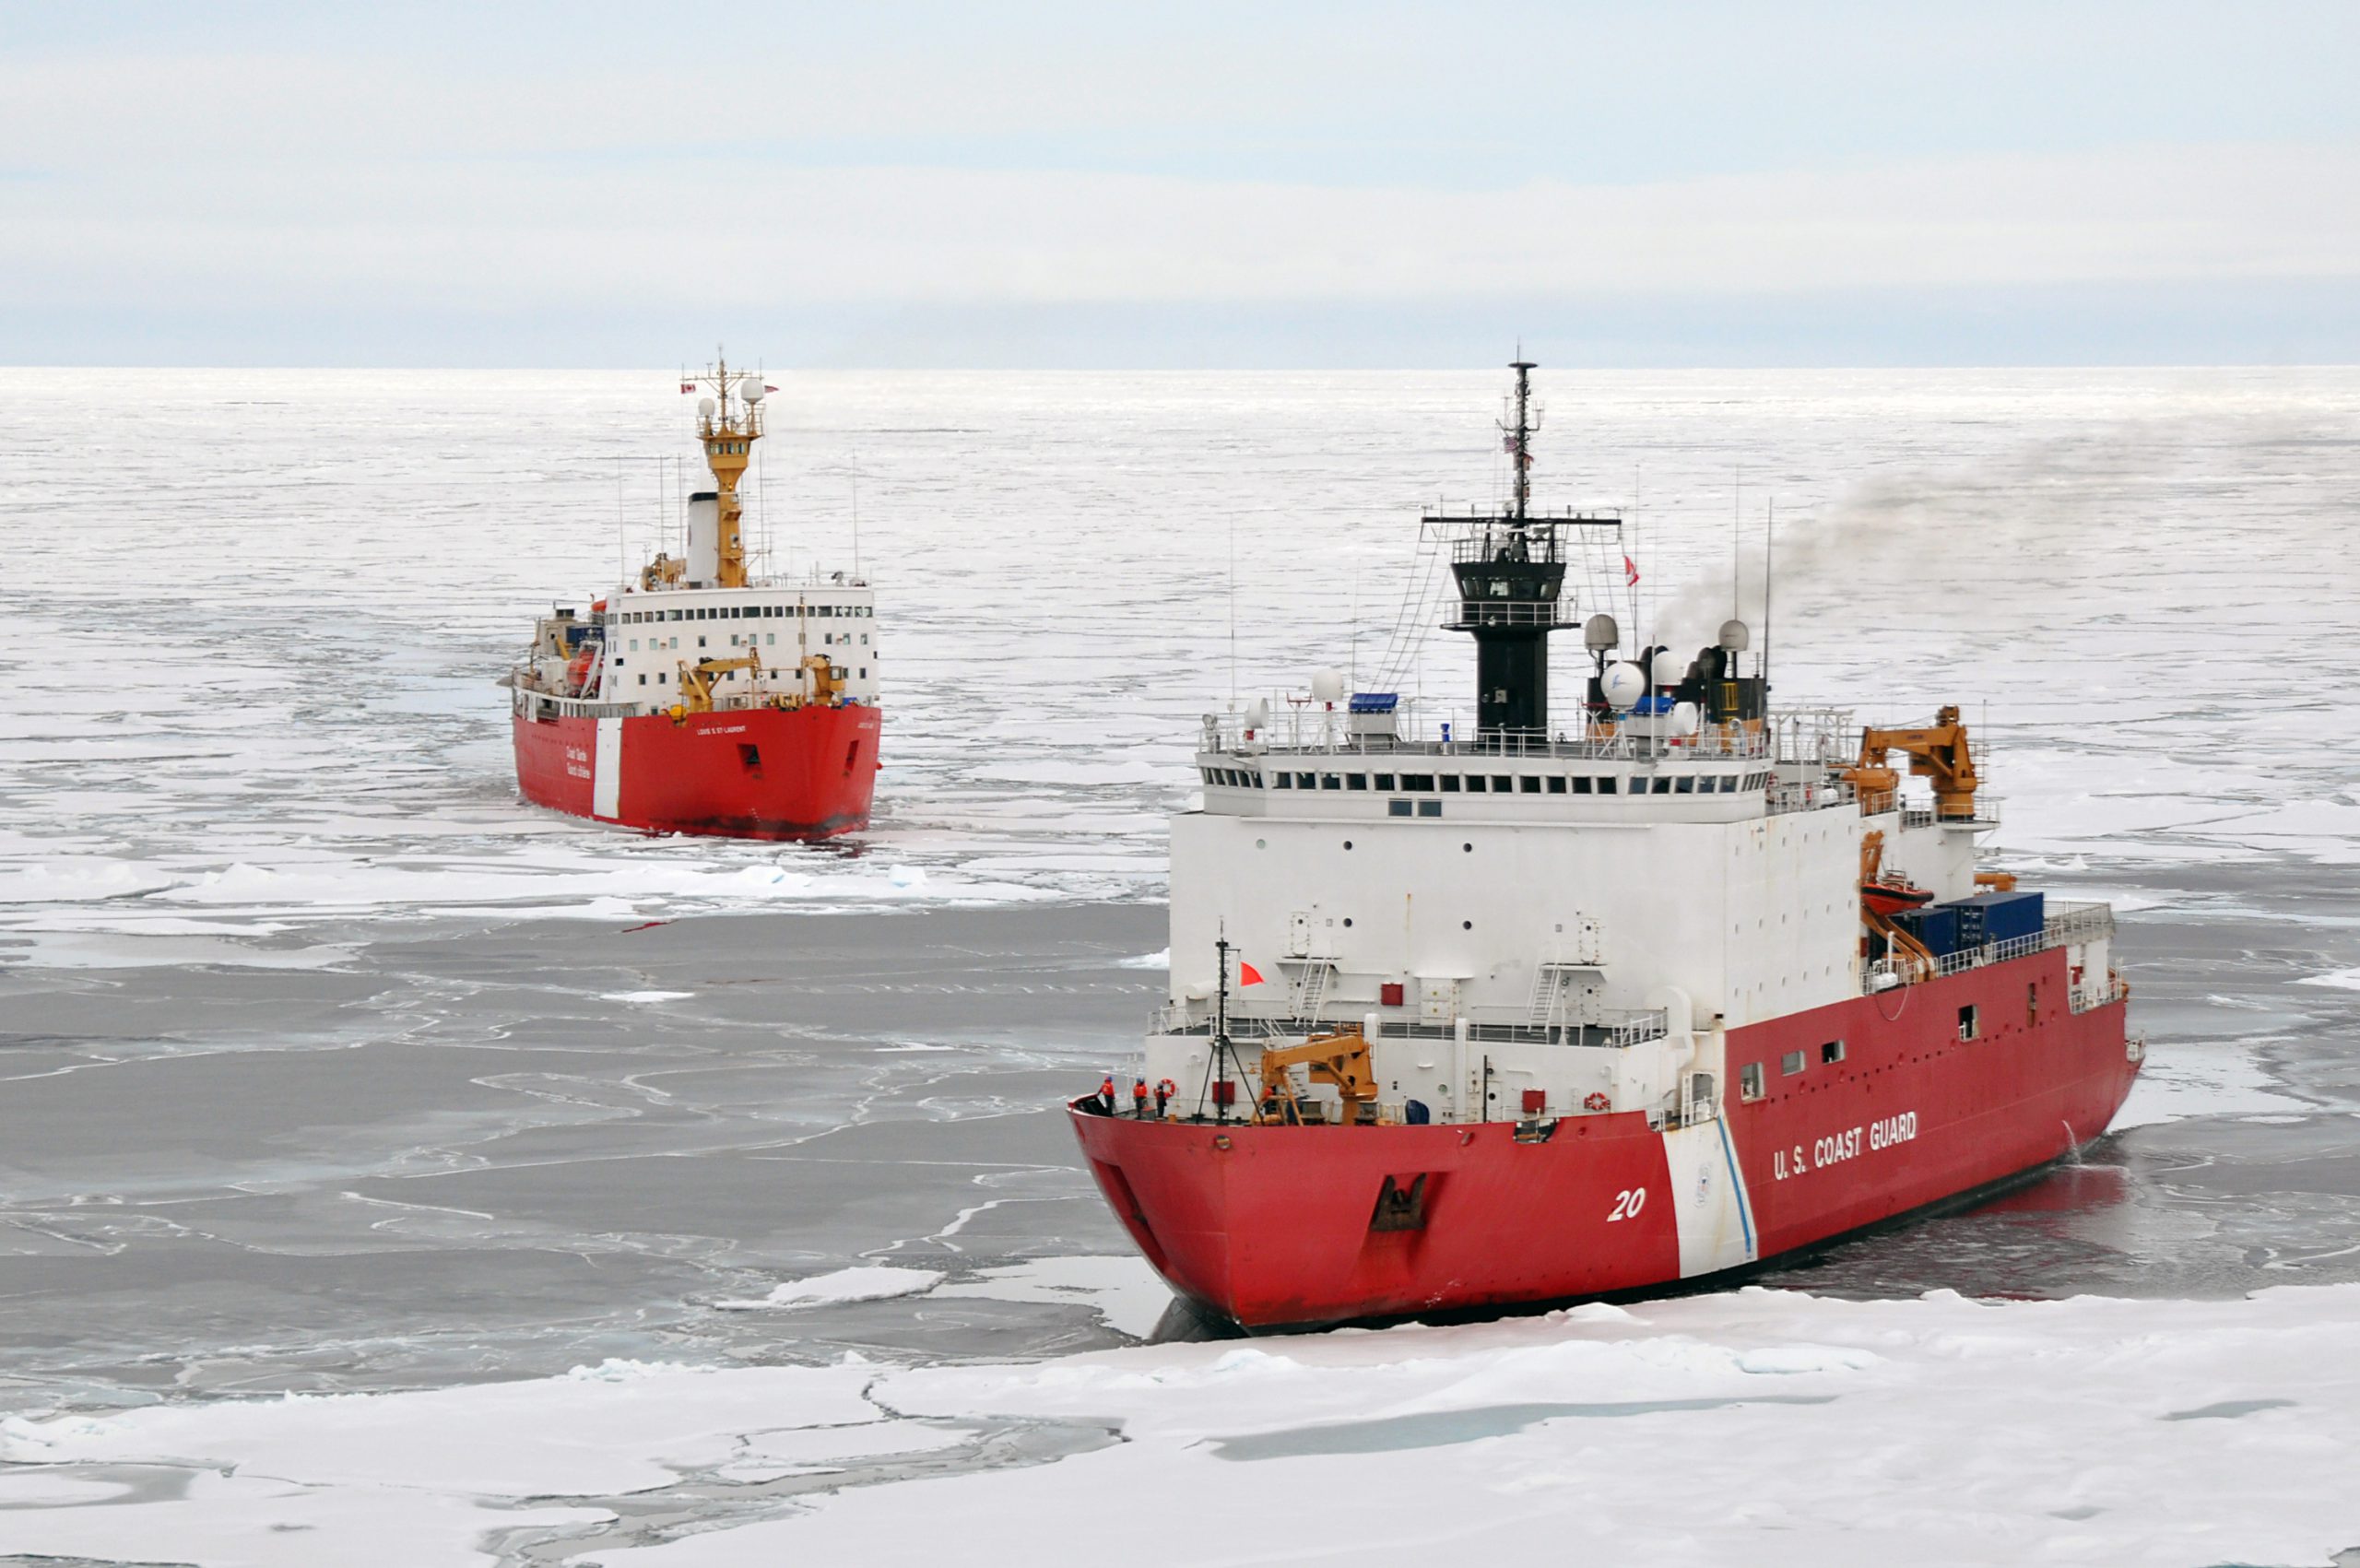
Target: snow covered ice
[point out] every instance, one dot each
(2089, 1431)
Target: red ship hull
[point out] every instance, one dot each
(1272, 1226)
(755, 773)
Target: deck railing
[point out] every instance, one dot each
(2072, 924)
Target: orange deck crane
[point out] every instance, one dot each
(1939, 753)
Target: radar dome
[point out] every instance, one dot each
(1683, 718)
(752, 389)
(704, 406)
(1735, 637)
(1328, 686)
(1623, 685)
(1257, 713)
(1599, 634)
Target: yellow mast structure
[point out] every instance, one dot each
(729, 430)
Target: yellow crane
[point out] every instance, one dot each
(1938, 752)
(699, 681)
(1341, 1058)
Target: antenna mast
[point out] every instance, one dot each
(1519, 431)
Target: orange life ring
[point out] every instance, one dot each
(1597, 1101)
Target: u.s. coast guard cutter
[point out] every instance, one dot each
(1584, 1001)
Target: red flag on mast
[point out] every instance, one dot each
(1630, 574)
(1247, 975)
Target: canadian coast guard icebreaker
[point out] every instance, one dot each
(700, 698)
(1585, 1002)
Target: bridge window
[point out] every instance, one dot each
(1399, 808)
(1530, 784)
(1331, 781)
(1663, 785)
(1355, 781)
(1449, 784)
(1307, 781)
(1430, 808)
(1831, 1052)
(1685, 785)
(1557, 784)
(1749, 1081)
(1790, 1064)
(1417, 781)
(1282, 781)
(1384, 781)
(1503, 784)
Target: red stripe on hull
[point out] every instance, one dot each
(1271, 1226)
(757, 772)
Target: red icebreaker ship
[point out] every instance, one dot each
(703, 698)
(1567, 1007)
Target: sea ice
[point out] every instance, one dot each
(862, 1284)
(1840, 1435)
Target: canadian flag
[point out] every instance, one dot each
(1247, 975)
(688, 386)
(1630, 574)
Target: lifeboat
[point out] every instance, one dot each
(1889, 897)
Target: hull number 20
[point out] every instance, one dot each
(1627, 1204)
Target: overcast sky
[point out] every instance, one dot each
(1192, 184)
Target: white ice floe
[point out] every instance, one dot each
(1160, 959)
(1750, 1426)
(867, 1283)
(2341, 979)
(646, 998)
(1831, 1434)
(1124, 1292)
(2201, 1078)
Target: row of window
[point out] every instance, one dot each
(659, 644)
(1750, 1076)
(1496, 783)
(665, 678)
(746, 612)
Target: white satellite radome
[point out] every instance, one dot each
(753, 389)
(704, 408)
(1257, 713)
(1735, 637)
(1328, 686)
(1599, 634)
(1622, 686)
(1683, 718)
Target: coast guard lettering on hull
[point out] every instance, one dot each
(701, 697)
(1565, 1002)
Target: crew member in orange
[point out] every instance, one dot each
(1106, 1095)
(1139, 1098)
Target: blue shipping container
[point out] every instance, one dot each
(1997, 917)
(1936, 926)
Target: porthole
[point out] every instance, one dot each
(1347, 843)
(1467, 925)
(1467, 848)
(1348, 923)
(1261, 843)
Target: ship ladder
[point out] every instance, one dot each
(1311, 988)
(1546, 1009)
